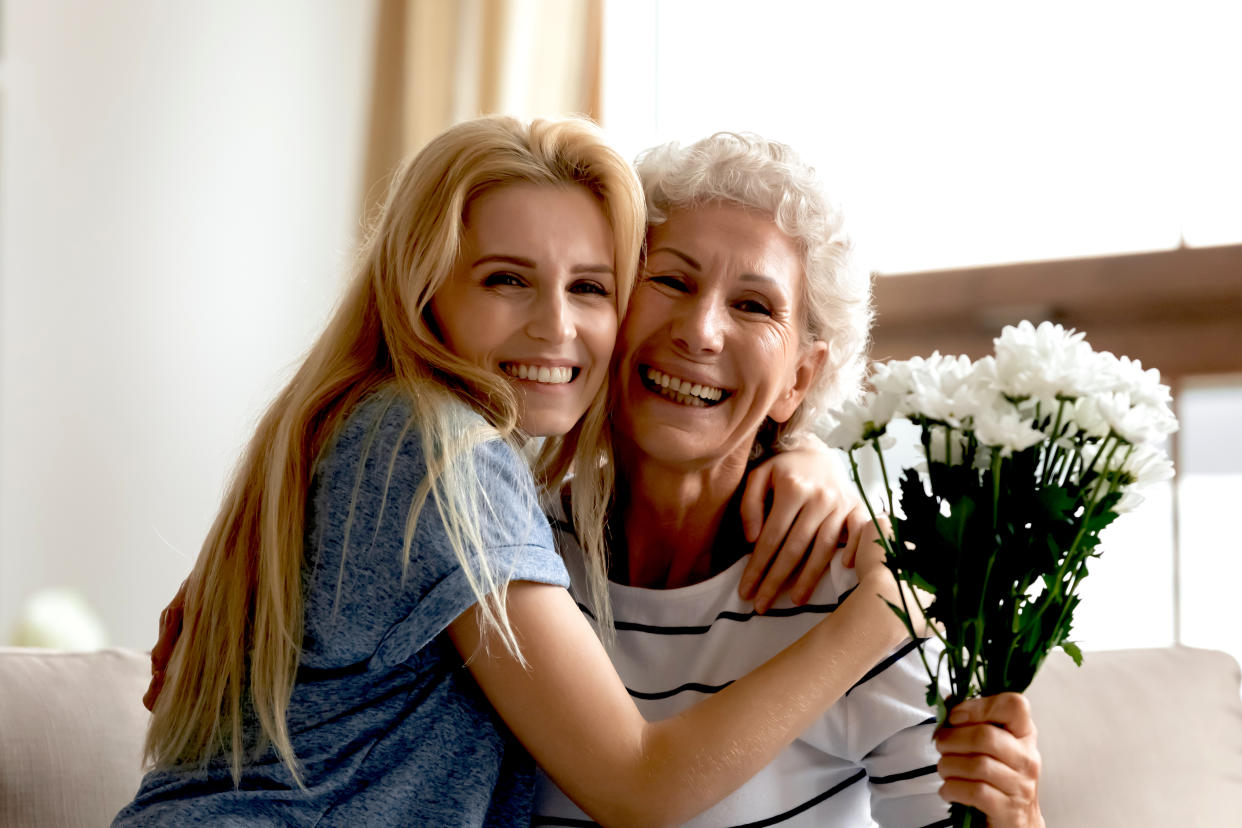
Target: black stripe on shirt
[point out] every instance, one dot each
(726, 615)
(892, 659)
(664, 694)
(570, 821)
(762, 823)
(708, 689)
(805, 806)
(901, 777)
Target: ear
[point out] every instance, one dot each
(810, 362)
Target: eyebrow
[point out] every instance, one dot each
(521, 261)
(694, 264)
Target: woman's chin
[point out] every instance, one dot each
(548, 423)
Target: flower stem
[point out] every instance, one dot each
(1048, 455)
(867, 501)
(888, 489)
(888, 549)
(996, 475)
(1063, 569)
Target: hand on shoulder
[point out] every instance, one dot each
(799, 509)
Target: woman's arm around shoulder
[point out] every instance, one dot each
(569, 708)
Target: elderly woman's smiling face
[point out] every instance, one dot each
(712, 342)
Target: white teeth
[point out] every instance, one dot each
(559, 375)
(683, 391)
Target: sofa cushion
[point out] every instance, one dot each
(1148, 737)
(1133, 738)
(71, 732)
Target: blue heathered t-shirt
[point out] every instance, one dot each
(389, 725)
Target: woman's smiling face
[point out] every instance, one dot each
(533, 298)
(712, 341)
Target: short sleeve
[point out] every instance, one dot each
(362, 583)
(517, 543)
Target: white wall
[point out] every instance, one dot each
(180, 185)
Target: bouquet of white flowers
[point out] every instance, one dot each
(1026, 456)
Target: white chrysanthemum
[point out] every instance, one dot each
(1129, 468)
(858, 422)
(1125, 374)
(1144, 388)
(893, 377)
(883, 407)
(1085, 418)
(1043, 362)
(1006, 431)
(1135, 424)
(1145, 465)
(846, 433)
(946, 389)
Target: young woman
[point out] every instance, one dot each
(382, 532)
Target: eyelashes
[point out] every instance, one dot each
(502, 278)
(747, 305)
(753, 306)
(582, 287)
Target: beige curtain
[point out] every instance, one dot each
(438, 62)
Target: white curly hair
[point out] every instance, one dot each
(769, 177)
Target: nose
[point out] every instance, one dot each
(700, 324)
(551, 318)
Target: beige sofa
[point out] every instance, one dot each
(1134, 738)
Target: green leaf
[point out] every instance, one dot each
(1103, 516)
(1057, 504)
(1072, 650)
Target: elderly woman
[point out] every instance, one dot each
(748, 317)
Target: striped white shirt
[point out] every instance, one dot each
(869, 760)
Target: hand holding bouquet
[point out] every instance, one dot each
(1026, 456)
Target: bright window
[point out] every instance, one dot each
(1209, 498)
(958, 134)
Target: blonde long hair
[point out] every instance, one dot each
(242, 630)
